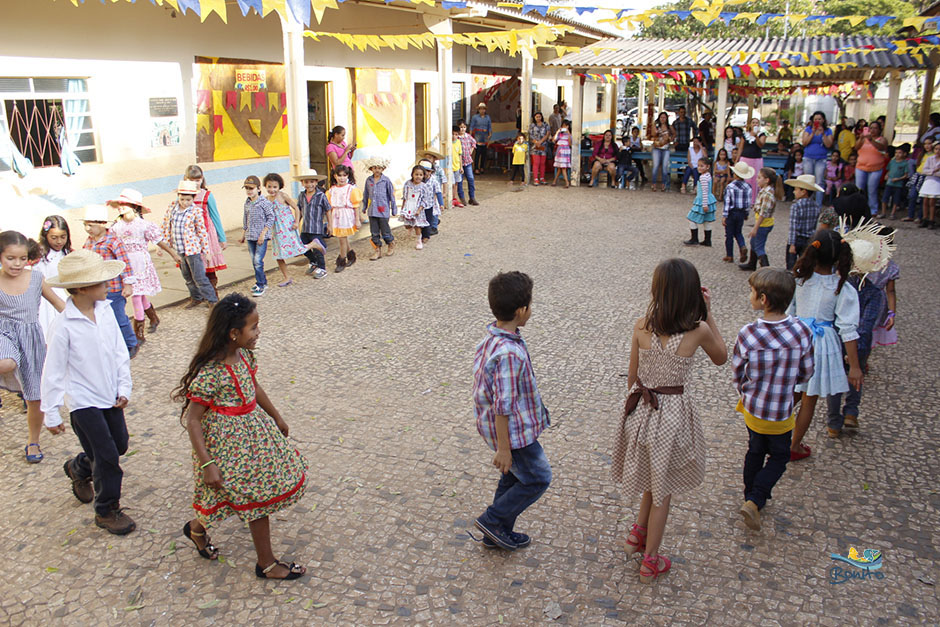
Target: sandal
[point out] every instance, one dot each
(33, 459)
(636, 540)
(295, 571)
(651, 564)
(803, 454)
(209, 552)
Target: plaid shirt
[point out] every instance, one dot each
(684, 129)
(764, 206)
(185, 230)
(111, 247)
(378, 198)
(504, 385)
(258, 216)
(770, 359)
(313, 213)
(737, 196)
(467, 144)
(803, 216)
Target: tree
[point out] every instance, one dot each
(898, 8)
(672, 27)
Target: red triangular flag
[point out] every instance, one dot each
(217, 123)
(261, 99)
(231, 100)
(283, 99)
(745, 69)
(284, 121)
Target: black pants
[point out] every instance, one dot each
(313, 255)
(103, 436)
(520, 169)
(800, 246)
(380, 231)
(760, 479)
(639, 166)
(479, 157)
(431, 229)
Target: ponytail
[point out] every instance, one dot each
(826, 249)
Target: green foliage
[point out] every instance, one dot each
(899, 8)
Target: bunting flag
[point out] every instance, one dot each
(231, 100)
(217, 123)
(273, 100)
(244, 100)
(203, 123)
(260, 99)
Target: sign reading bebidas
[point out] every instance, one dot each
(250, 80)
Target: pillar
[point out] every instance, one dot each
(296, 88)
(526, 96)
(445, 66)
(577, 121)
(720, 119)
(894, 94)
(614, 99)
(661, 96)
(930, 77)
(641, 106)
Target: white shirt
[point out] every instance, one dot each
(85, 361)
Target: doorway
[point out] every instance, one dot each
(318, 122)
(421, 116)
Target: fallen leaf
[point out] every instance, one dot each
(313, 507)
(208, 604)
(132, 608)
(277, 591)
(71, 532)
(290, 599)
(171, 549)
(308, 604)
(51, 569)
(317, 606)
(129, 453)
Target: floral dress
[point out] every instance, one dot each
(537, 132)
(136, 235)
(262, 472)
(286, 239)
(215, 260)
(563, 149)
(415, 199)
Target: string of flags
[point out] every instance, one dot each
(216, 101)
(830, 89)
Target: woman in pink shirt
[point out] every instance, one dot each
(605, 157)
(338, 153)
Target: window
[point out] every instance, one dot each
(457, 96)
(600, 100)
(33, 111)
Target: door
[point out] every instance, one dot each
(422, 133)
(318, 123)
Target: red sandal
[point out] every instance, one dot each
(802, 454)
(651, 564)
(636, 540)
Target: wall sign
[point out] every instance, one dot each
(164, 108)
(251, 80)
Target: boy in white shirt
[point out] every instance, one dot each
(87, 361)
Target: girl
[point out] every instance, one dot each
(285, 237)
(751, 150)
(605, 158)
(703, 207)
(136, 233)
(55, 242)
(416, 198)
(848, 170)
(205, 201)
(731, 142)
(563, 153)
(915, 182)
(344, 199)
(519, 150)
(830, 308)
(764, 206)
(930, 190)
(242, 461)
(538, 140)
(720, 179)
(660, 447)
(22, 346)
(833, 175)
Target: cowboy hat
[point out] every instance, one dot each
(84, 268)
(743, 170)
(131, 197)
(482, 104)
(805, 181)
(96, 213)
(308, 174)
(428, 151)
(871, 250)
(424, 163)
(376, 161)
(252, 181)
(188, 187)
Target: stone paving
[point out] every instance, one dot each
(372, 370)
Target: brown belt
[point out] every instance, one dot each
(649, 396)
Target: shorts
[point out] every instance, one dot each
(458, 176)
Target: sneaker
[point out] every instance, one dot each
(259, 291)
(116, 522)
(81, 488)
(521, 540)
(319, 273)
(498, 536)
(419, 245)
(310, 269)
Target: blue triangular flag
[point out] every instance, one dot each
(878, 20)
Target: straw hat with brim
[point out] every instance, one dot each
(427, 165)
(308, 174)
(129, 199)
(871, 250)
(188, 187)
(423, 153)
(805, 181)
(96, 213)
(743, 170)
(482, 105)
(376, 162)
(84, 268)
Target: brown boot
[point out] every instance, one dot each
(139, 331)
(81, 488)
(154, 319)
(116, 522)
(743, 254)
(391, 249)
(376, 253)
(340, 263)
(350, 257)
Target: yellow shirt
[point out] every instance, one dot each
(518, 153)
(457, 157)
(846, 143)
(766, 427)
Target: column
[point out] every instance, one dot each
(296, 88)
(891, 116)
(615, 88)
(525, 93)
(445, 65)
(641, 106)
(720, 119)
(577, 121)
(930, 77)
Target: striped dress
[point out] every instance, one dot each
(21, 339)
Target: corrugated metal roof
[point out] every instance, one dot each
(645, 54)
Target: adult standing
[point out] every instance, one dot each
(663, 136)
(817, 139)
(933, 128)
(554, 123)
(481, 128)
(684, 129)
(751, 151)
(605, 158)
(845, 139)
(538, 147)
(872, 156)
(339, 153)
(706, 132)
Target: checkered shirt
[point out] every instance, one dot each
(803, 216)
(185, 230)
(467, 144)
(684, 129)
(766, 203)
(770, 359)
(378, 197)
(504, 385)
(737, 196)
(313, 213)
(111, 247)
(258, 216)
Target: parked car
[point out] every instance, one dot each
(738, 117)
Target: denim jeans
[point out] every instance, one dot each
(103, 436)
(193, 270)
(914, 206)
(760, 478)
(119, 306)
(380, 231)
(526, 481)
(800, 246)
(690, 172)
(759, 241)
(894, 196)
(869, 181)
(734, 224)
(837, 411)
(626, 172)
(314, 255)
(471, 188)
(661, 164)
(427, 231)
(817, 167)
(257, 250)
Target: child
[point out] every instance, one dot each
(205, 202)
(930, 190)
(434, 211)
(467, 146)
(828, 219)
(660, 449)
(378, 202)
(703, 207)
(737, 201)
(848, 170)
(519, 151)
(285, 238)
(771, 356)
(243, 463)
(763, 219)
(851, 203)
(720, 178)
(456, 165)
(257, 222)
(22, 347)
(313, 208)
(136, 233)
(55, 242)
(563, 153)
(804, 213)
(793, 168)
(833, 176)
(345, 199)
(509, 411)
(185, 232)
(696, 154)
(895, 181)
(915, 182)
(825, 303)
(627, 173)
(88, 363)
(438, 181)
(120, 288)
(416, 199)
(731, 140)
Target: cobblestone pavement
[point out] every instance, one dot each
(372, 370)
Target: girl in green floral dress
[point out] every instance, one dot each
(242, 461)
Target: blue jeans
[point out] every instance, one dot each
(526, 481)
(661, 163)
(119, 306)
(193, 270)
(426, 231)
(800, 245)
(817, 167)
(626, 172)
(690, 172)
(734, 223)
(760, 478)
(103, 436)
(837, 411)
(914, 206)
(758, 241)
(869, 181)
(471, 188)
(257, 250)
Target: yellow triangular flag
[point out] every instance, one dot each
(244, 100)
(273, 5)
(381, 133)
(212, 6)
(714, 73)
(273, 100)
(255, 126)
(320, 6)
(203, 123)
(916, 22)
(217, 101)
(750, 17)
(796, 18)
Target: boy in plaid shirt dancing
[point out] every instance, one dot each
(771, 356)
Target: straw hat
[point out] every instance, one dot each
(96, 213)
(84, 268)
(871, 251)
(127, 197)
(427, 165)
(307, 174)
(428, 151)
(743, 170)
(376, 162)
(482, 105)
(805, 181)
(188, 187)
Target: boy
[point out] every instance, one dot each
(456, 163)
(509, 411)
(771, 356)
(636, 145)
(432, 214)
(109, 246)
(185, 231)
(467, 146)
(804, 213)
(737, 201)
(258, 220)
(313, 206)
(763, 219)
(439, 176)
(86, 360)
(627, 173)
(895, 181)
(378, 201)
